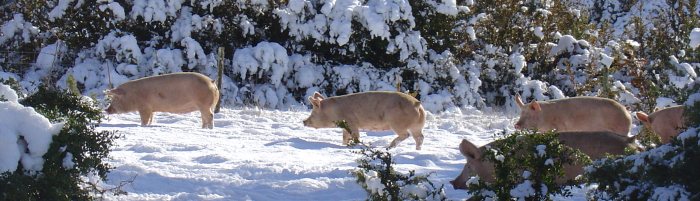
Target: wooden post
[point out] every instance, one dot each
(56, 53)
(109, 75)
(220, 74)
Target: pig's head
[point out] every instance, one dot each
(319, 117)
(644, 118)
(475, 166)
(118, 103)
(530, 114)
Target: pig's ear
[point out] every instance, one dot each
(115, 92)
(519, 101)
(315, 101)
(318, 96)
(642, 117)
(535, 106)
(469, 150)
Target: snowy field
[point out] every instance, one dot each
(254, 154)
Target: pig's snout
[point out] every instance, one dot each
(306, 122)
(458, 185)
(518, 126)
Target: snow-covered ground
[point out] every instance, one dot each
(255, 154)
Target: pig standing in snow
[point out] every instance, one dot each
(593, 144)
(574, 114)
(370, 110)
(667, 123)
(174, 93)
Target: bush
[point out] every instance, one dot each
(667, 172)
(527, 165)
(78, 141)
(377, 176)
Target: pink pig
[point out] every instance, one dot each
(667, 123)
(174, 93)
(378, 110)
(594, 144)
(574, 114)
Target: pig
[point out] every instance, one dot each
(173, 93)
(379, 110)
(594, 144)
(667, 123)
(574, 114)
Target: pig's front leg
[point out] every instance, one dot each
(346, 137)
(146, 117)
(354, 136)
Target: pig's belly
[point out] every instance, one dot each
(178, 109)
(376, 127)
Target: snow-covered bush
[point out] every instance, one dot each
(61, 165)
(13, 91)
(452, 53)
(527, 165)
(377, 176)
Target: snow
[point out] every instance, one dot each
(663, 102)
(566, 44)
(685, 67)
(126, 48)
(518, 61)
(68, 161)
(471, 33)
(500, 157)
(48, 56)
(116, 9)
(7, 93)
(448, 7)
(374, 183)
(17, 26)
(269, 155)
(538, 32)
(194, 53)
(187, 23)
(59, 10)
(606, 60)
(541, 150)
(523, 190)
(155, 10)
(332, 22)
(25, 136)
(266, 58)
(671, 193)
(695, 38)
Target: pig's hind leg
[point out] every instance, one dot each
(417, 134)
(207, 118)
(402, 135)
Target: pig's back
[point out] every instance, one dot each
(588, 103)
(175, 83)
(379, 110)
(377, 99)
(674, 114)
(668, 122)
